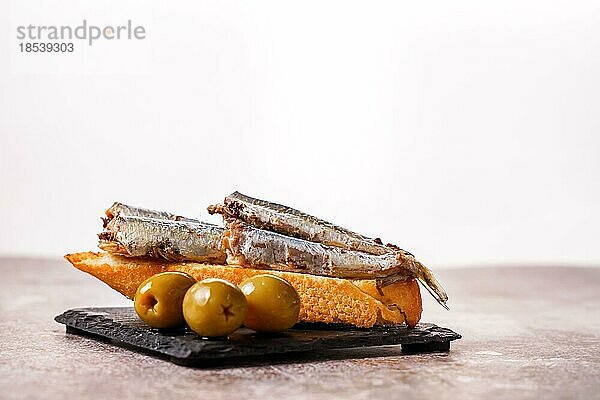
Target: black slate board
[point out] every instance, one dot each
(122, 326)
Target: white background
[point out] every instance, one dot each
(466, 132)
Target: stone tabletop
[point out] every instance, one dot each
(527, 333)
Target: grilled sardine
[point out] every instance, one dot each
(136, 236)
(393, 264)
(291, 222)
(250, 247)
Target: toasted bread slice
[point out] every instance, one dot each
(323, 299)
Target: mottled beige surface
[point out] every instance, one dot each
(528, 333)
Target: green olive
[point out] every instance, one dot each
(273, 304)
(158, 299)
(214, 307)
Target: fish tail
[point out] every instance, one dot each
(425, 276)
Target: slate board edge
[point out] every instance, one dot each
(97, 321)
(119, 332)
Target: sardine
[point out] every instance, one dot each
(136, 236)
(393, 263)
(250, 247)
(124, 209)
(291, 222)
(333, 251)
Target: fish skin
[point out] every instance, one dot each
(248, 246)
(291, 222)
(136, 236)
(124, 209)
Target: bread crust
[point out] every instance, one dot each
(328, 300)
